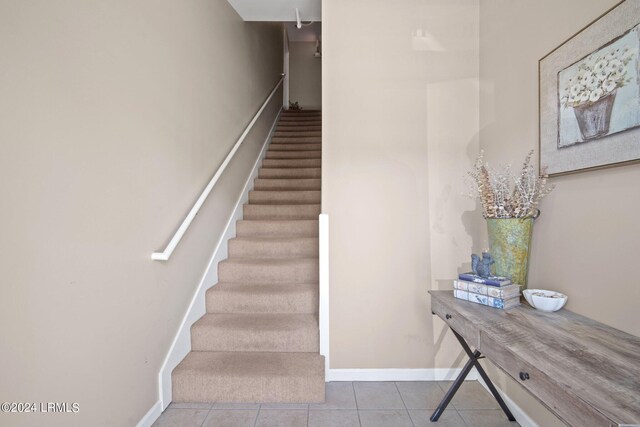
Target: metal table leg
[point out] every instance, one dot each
(474, 357)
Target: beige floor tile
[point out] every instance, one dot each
(420, 394)
(486, 418)
(377, 395)
(282, 418)
(231, 418)
(194, 405)
(233, 405)
(449, 418)
(334, 418)
(338, 395)
(181, 418)
(399, 418)
(471, 395)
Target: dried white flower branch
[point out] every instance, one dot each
(504, 195)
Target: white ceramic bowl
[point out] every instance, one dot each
(544, 300)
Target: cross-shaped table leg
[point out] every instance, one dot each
(473, 361)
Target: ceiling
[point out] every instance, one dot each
(278, 10)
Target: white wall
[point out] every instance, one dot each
(113, 117)
(585, 242)
(399, 129)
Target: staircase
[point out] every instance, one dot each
(259, 340)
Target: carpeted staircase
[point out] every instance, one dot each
(258, 341)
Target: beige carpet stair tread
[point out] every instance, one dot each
(297, 211)
(289, 172)
(292, 163)
(303, 146)
(249, 377)
(297, 133)
(297, 140)
(256, 270)
(273, 247)
(284, 197)
(273, 332)
(277, 184)
(293, 133)
(279, 228)
(263, 298)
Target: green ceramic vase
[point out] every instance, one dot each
(509, 244)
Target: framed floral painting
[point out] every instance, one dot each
(590, 95)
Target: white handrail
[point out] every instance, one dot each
(164, 255)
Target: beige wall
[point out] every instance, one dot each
(306, 75)
(399, 128)
(585, 242)
(113, 117)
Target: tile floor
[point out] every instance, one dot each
(351, 404)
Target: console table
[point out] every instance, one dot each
(585, 372)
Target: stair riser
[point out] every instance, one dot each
(296, 147)
(273, 248)
(276, 212)
(291, 163)
(297, 154)
(296, 140)
(286, 173)
(220, 340)
(297, 339)
(284, 197)
(286, 184)
(295, 298)
(299, 127)
(306, 228)
(286, 116)
(296, 133)
(307, 127)
(301, 272)
(267, 389)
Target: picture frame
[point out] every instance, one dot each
(589, 95)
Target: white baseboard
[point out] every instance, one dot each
(151, 416)
(181, 344)
(323, 309)
(434, 374)
(523, 419)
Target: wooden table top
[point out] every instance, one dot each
(597, 363)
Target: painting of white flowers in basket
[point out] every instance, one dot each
(599, 95)
(590, 95)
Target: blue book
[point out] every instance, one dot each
(500, 303)
(490, 281)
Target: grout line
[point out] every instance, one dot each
(356, 399)
(207, 416)
(308, 415)
(463, 421)
(255, 421)
(395, 383)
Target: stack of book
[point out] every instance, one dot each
(494, 291)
